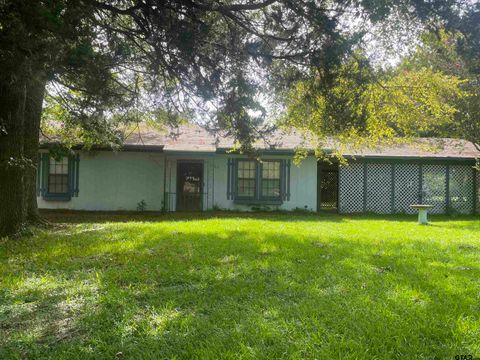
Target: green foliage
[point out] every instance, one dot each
(121, 62)
(448, 53)
(241, 112)
(230, 285)
(364, 107)
(331, 110)
(412, 103)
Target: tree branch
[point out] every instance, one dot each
(233, 7)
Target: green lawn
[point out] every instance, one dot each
(242, 286)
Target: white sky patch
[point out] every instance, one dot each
(385, 43)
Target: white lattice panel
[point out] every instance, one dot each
(351, 188)
(407, 187)
(461, 185)
(379, 188)
(435, 187)
(413, 183)
(477, 206)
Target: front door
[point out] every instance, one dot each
(189, 186)
(327, 186)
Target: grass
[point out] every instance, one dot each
(242, 286)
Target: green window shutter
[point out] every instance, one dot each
(231, 178)
(73, 174)
(258, 179)
(77, 174)
(70, 175)
(285, 180)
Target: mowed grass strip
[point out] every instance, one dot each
(242, 286)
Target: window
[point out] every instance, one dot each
(246, 178)
(58, 176)
(271, 179)
(258, 182)
(57, 179)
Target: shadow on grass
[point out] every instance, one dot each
(163, 291)
(82, 217)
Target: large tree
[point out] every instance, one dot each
(103, 59)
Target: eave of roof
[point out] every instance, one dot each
(125, 147)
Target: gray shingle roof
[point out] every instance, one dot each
(197, 139)
(193, 138)
(183, 138)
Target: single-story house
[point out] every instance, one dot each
(192, 170)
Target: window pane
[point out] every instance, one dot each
(246, 187)
(58, 183)
(271, 170)
(270, 188)
(58, 176)
(59, 167)
(271, 179)
(246, 178)
(246, 169)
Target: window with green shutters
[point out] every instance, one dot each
(57, 178)
(258, 182)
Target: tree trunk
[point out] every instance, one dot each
(12, 161)
(33, 113)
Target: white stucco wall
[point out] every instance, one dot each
(116, 181)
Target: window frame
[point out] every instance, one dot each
(262, 179)
(258, 197)
(54, 196)
(237, 178)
